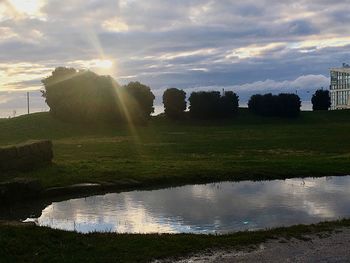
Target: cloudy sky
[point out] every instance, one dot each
(246, 46)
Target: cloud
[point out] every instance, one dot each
(304, 83)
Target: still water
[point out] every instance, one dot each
(210, 208)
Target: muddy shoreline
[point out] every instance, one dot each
(319, 247)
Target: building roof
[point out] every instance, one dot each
(341, 70)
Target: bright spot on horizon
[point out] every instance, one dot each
(103, 64)
(99, 66)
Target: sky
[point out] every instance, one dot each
(245, 46)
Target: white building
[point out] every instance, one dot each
(340, 87)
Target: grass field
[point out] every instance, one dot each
(36, 244)
(166, 152)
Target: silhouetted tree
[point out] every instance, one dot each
(206, 105)
(288, 105)
(263, 104)
(58, 75)
(174, 103)
(321, 100)
(228, 104)
(84, 96)
(255, 104)
(282, 105)
(138, 102)
(80, 96)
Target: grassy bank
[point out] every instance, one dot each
(247, 147)
(35, 244)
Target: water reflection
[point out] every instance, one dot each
(211, 208)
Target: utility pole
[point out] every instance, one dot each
(28, 102)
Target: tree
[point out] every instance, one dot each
(84, 96)
(211, 104)
(60, 74)
(174, 103)
(288, 105)
(228, 104)
(282, 105)
(321, 100)
(80, 96)
(138, 102)
(205, 105)
(264, 105)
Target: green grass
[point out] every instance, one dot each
(35, 244)
(166, 152)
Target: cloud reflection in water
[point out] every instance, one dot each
(211, 208)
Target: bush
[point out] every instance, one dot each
(174, 103)
(206, 105)
(282, 105)
(321, 100)
(84, 96)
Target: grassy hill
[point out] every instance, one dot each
(166, 152)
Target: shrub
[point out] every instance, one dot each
(174, 103)
(282, 105)
(321, 100)
(206, 105)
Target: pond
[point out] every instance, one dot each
(208, 208)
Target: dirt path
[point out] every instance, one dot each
(322, 247)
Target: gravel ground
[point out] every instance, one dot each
(323, 247)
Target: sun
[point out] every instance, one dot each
(103, 64)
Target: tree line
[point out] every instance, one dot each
(84, 96)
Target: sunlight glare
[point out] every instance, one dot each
(103, 64)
